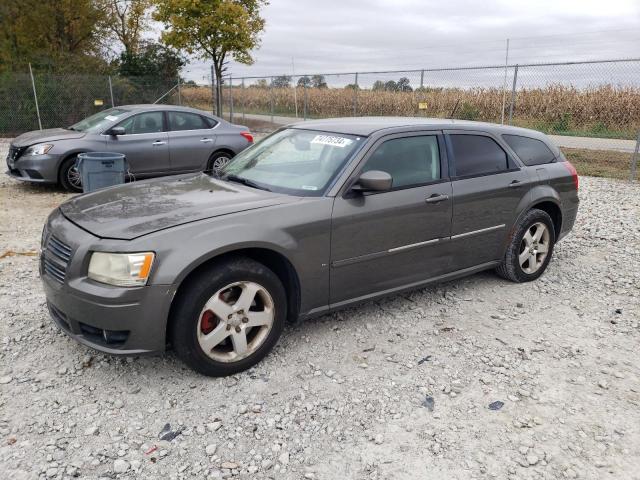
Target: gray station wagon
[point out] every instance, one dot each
(156, 139)
(316, 217)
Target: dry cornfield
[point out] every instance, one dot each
(605, 111)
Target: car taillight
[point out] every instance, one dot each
(572, 171)
(248, 136)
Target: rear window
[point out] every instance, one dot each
(477, 155)
(529, 150)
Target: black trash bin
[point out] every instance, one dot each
(101, 169)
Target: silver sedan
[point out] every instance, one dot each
(156, 139)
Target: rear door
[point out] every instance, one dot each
(145, 144)
(488, 186)
(191, 140)
(384, 240)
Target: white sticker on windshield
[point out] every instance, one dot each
(331, 140)
(309, 187)
(111, 118)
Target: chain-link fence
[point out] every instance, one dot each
(592, 109)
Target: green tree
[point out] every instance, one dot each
(282, 81)
(53, 35)
(127, 20)
(352, 86)
(391, 86)
(304, 81)
(378, 85)
(215, 29)
(261, 83)
(404, 85)
(318, 81)
(152, 60)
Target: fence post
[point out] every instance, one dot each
(230, 98)
(213, 92)
(111, 92)
(271, 97)
(634, 160)
(305, 106)
(421, 79)
(35, 96)
(513, 93)
(244, 108)
(179, 92)
(355, 96)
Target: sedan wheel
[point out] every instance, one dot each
(235, 321)
(74, 178)
(220, 162)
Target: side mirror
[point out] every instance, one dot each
(373, 181)
(115, 131)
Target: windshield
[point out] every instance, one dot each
(98, 122)
(298, 162)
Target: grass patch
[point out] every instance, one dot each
(599, 163)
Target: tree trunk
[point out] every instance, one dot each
(218, 72)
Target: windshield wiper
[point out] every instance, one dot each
(245, 181)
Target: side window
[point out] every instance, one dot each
(148, 122)
(186, 121)
(210, 122)
(477, 155)
(409, 160)
(529, 150)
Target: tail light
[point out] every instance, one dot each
(248, 136)
(572, 171)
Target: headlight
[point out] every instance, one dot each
(121, 269)
(40, 149)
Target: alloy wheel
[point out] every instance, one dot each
(235, 321)
(74, 178)
(220, 162)
(534, 248)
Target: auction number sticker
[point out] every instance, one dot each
(331, 140)
(111, 118)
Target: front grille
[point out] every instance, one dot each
(15, 152)
(55, 258)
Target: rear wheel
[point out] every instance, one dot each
(69, 176)
(228, 317)
(218, 160)
(530, 249)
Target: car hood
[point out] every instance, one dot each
(129, 211)
(48, 135)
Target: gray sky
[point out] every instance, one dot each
(365, 35)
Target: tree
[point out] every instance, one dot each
(391, 86)
(153, 60)
(352, 86)
(318, 81)
(215, 29)
(404, 85)
(304, 82)
(127, 20)
(56, 35)
(282, 81)
(261, 83)
(378, 85)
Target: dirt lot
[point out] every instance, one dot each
(396, 389)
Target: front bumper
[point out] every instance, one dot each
(110, 319)
(34, 168)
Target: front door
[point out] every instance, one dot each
(385, 240)
(145, 144)
(488, 186)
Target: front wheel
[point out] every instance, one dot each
(228, 317)
(530, 249)
(69, 176)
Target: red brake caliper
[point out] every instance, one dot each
(208, 322)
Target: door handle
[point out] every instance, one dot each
(206, 140)
(158, 143)
(436, 198)
(515, 184)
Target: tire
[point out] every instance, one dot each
(218, 160)
(525, 260)
(67, 174)
(222, 287)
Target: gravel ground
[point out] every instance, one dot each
(402, 388)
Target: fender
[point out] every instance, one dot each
(538, 194)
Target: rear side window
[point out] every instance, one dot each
(477, 155)
(186, 121)
(529, 150)
(410, 160)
